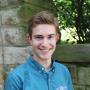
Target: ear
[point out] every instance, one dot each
(58, 37)
(28, 39)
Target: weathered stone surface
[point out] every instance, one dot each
(73, 71)
(79, 87)
(0, 41)
(15, 55)
(0, 19)
(73, 53)
(0, 37)
(41, 5)
(1, 87)
(1, 75)
(3, 3)
(1, 55)
(9, 67)
(88, 88)
(33, 6)
(10, 16)
(13, 2)
(84, 75)
(13, 36)
(0, 30)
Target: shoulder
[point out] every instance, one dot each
(63, 73)
(61, 67)
(15, 78)
(17, 73)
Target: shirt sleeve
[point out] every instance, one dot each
(12, 82)
(69, 81)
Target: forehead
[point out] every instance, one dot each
(44, 29)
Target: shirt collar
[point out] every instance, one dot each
(35, 65)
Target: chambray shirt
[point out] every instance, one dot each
(32, 76)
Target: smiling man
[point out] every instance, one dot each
(43, 41)
(40, 71)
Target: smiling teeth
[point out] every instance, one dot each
(44, 50)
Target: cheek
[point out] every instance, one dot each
(53, 44)
(35, 44)
(54, 41)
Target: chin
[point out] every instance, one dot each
(45, 58)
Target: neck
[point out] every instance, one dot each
(46, 63)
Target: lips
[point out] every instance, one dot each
(46, 50)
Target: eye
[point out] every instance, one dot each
(38, 37)
(51, 36)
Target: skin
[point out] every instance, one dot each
(43, 41)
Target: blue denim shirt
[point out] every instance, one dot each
(32, 76)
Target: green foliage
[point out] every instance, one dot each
(64, 13)
(69, 36)
(75, 13)
(70, 14)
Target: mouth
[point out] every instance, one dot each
(46, 50)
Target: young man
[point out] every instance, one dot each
(40, 71)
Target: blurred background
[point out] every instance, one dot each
(72, 50)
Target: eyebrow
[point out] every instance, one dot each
(42, 35)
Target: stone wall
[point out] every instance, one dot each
(14, 49)
(77, 58)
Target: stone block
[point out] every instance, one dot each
(9, 67)
(0, 37)
(31, 7)
(10, 16)
(73, 53)
(79, 87)
(16, 55)
(1, 57)
(73, 71)
(84, 75)
(1, 75)
(3, 3)
(13, 36)
(1, 87)
(13, 2)
(0, 41)
(88, 88)
(0, 19)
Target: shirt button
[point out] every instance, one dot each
(53, 70)
(49, 80)
(42, 68)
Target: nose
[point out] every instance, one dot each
(45, 42)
